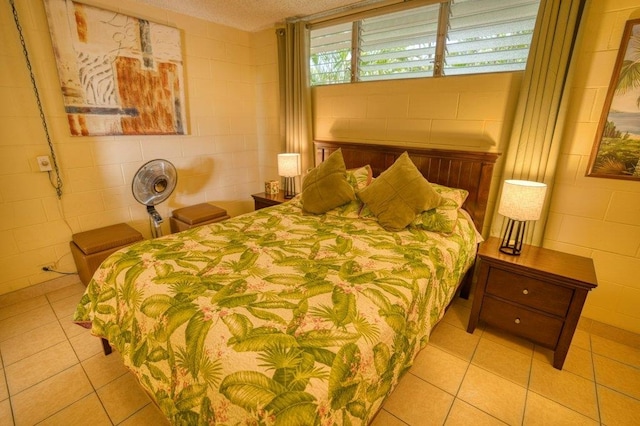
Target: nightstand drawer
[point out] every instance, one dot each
(537, 327)
(530, 292)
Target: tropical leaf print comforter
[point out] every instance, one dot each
(276, 317)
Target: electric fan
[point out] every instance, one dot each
(152, 184)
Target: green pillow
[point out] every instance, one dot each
(399, 194)
(326, 187)
(443, 218)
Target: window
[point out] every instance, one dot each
(444, 38)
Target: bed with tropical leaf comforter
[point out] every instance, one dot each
(277, 317)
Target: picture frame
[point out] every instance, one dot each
(616, 150)
(119, 74)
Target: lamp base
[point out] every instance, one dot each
(509, 246)
(289, 187)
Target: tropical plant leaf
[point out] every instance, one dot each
(325, 338)
(293, 408)
(239, 325)
(156, 305)
(190, 397)
(250, 389)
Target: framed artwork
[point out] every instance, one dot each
(119, 75)
(616, 151)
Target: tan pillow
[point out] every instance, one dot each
(326, 187)
(399, 194)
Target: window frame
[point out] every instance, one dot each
(355, 17)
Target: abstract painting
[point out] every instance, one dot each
(616, 151)
(119, 75)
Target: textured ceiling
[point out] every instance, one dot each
(249, 15)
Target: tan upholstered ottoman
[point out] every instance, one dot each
(197, 215)
(91, 248)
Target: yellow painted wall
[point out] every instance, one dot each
(596, 217)
(232, 101)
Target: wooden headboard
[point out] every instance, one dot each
(468, 170)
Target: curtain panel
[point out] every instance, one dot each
(539, 121)
(295, 92)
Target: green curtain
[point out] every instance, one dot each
(535, 141)
(295, 92)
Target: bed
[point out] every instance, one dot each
(284, 317)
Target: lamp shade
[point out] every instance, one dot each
(522, 199)
(289, 165)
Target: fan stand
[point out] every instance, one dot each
(155, 220)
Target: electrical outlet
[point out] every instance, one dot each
(44, 163)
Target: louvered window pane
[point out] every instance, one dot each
(489, 35)
(398, 45)
(330, 55)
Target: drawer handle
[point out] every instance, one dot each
(525, 291)
(517, 321)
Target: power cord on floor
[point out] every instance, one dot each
(50, 269)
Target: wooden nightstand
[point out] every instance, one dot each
(263, 200)
(538, 295)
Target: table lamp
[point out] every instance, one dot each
(521, 201)
(289, 168)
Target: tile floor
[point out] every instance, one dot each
(54, 373)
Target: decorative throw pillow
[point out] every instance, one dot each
(444, 217)
(326, 187)
(399, 194)
(358, 179)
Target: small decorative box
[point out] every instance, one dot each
(272, 187)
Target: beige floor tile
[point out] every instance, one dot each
(103, 369)
(122, 398)
(75, 289)
(6, 416)
(581, 339)
(67, 306)
(503, 361)
(71, 329)
(618, 409)
(457, 315)
(580, 362)
(40, 366)
(440, 368)
(41, 401)
(454, 340)
(22, 295)
(540, 411)
(23, 307)
(86, 345)
(26, 321)
(618, 376)
(408, 402)
(150, 415)
(384, 418)
(31, 342)
(614, 350)
(494, 395)
(4, 390)
(509, 340)
(79, 412)
(564, 387)
(616, 334)
(463, 414)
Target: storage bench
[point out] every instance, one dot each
(91, 248)
(196, 215)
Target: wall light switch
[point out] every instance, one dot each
(44, 163)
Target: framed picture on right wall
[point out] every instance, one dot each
(616, 151)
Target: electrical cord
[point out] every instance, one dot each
(58, 185)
